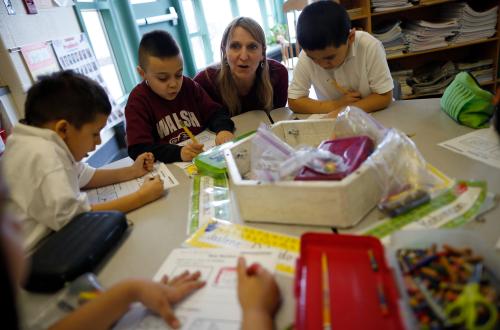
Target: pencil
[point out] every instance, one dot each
(382, 299)
(338, 87)
(373, 261)
(326, 292)
(189, 133)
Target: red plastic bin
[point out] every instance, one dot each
(354, 296)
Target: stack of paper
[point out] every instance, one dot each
(423, 35)
(402, 77)
(391, 36)
(385, 5)
(432, 78)
(473, 24)
(481, 70)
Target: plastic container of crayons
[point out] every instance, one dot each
(448, 279)
(344, 282)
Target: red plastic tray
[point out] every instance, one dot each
(354, 298)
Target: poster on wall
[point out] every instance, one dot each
(39, 59)
(74, 53)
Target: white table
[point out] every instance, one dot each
(161, 226)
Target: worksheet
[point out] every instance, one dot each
(215, 306)
(206, 138)
(482, 145)
(114, 191)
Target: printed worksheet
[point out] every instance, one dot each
(206, 138)
(114, 191)
(482, 145)
(215, 306)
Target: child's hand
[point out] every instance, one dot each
(143, 164)
(332, 114)
(159, 297)
(151, 189)
(223, 137)
(351, 97)
(257, 289)
(191, 150)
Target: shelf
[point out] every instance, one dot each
(411, 97)
(359, 16)
(357, 13)
(433, 50)
(486, 83)
(426, 5)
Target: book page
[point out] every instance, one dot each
(215, 306)
(117, 190)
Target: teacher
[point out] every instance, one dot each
(245, 80)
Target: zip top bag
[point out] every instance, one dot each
(75, 249)
(466, 102)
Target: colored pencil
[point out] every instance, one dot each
(189, 133)
(326, 292)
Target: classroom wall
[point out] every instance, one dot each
(22, 29)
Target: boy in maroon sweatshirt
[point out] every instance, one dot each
(165, 100)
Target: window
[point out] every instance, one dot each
(206, 21)
(110, 31)
(99, 41)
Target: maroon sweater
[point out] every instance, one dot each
(154, 124)
(279, 80)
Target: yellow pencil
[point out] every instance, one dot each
(338, 87)
(189, 133)
(326, 292)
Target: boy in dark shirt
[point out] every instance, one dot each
(165, 100)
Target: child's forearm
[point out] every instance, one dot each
(374, 102)
(103, 311)
(124, 204)
(104, 177)
(257, 320)
(308, 105)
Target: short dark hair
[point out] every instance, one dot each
(65, 95)
(323, 24)
(157, 43)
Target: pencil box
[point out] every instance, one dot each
(75, 249)
(354, 151)
(361, 290)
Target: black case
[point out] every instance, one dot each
(75, 249)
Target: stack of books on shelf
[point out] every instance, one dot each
(402, 77)
(391, 36)
(385, 5)
(481, 70)
(434, 77)
(424, 35)
(473, 24)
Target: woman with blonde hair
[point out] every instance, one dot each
(245, 80)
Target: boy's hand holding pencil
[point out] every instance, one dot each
(189, 151)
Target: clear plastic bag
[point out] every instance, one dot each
(268, 153)
(402, 172)
(274, 160)
(353, 121)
